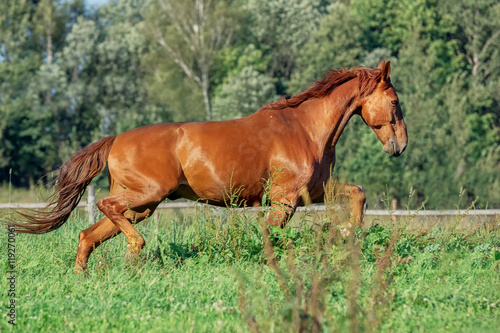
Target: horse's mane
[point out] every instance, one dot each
(368, 80)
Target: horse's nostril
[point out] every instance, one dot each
(393, 147)
(402, 150)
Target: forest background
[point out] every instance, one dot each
(71, 74)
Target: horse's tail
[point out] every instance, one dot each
(74, 177)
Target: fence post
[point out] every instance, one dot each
(156, 218)
(394, 205)
(91, 204)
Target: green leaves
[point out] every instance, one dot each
(335, 44)
(188, 36)
(242, 94)
(281, 29)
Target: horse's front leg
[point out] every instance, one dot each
(282, 209)
(353, 194)
(357, 198)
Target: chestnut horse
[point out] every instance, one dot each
(204, 160)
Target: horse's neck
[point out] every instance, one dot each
(324, 119)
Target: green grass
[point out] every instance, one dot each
(211, 272)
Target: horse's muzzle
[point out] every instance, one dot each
(393, 148)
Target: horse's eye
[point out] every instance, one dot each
(394, 102)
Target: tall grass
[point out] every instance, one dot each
(226, 271)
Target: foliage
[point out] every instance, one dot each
(335, 44)
(242, 94)
(190, 34)
(280, 29)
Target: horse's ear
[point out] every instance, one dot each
(385, 66)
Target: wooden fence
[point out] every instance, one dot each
(90, 207)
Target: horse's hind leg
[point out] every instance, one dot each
(97, 234)
(91, 238)
(126, 208)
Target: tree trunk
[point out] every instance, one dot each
(48, 94)
(206, 96)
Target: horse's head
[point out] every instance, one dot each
(381, 111)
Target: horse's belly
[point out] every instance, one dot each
(217, 198)
(184, 191)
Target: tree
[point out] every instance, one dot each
(32, 33)
(22, 131)
(280, 29)
(440, 161)
(48, 25)
(478, 32)
(243, 93)
(70, 81)
(478, 36)
(337, 43)
(96, 84)
(191, 33)
(123, 101)
(389, 23)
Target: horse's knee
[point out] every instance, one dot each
(111, 207)
(355, 193)
(276, 220)
(359, 194)
(104, 206)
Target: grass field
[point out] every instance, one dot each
(213, 272)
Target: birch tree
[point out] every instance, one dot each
(191, 33)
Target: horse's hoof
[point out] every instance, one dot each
(132, 259)
(81, 269)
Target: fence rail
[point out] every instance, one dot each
(91, 208)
